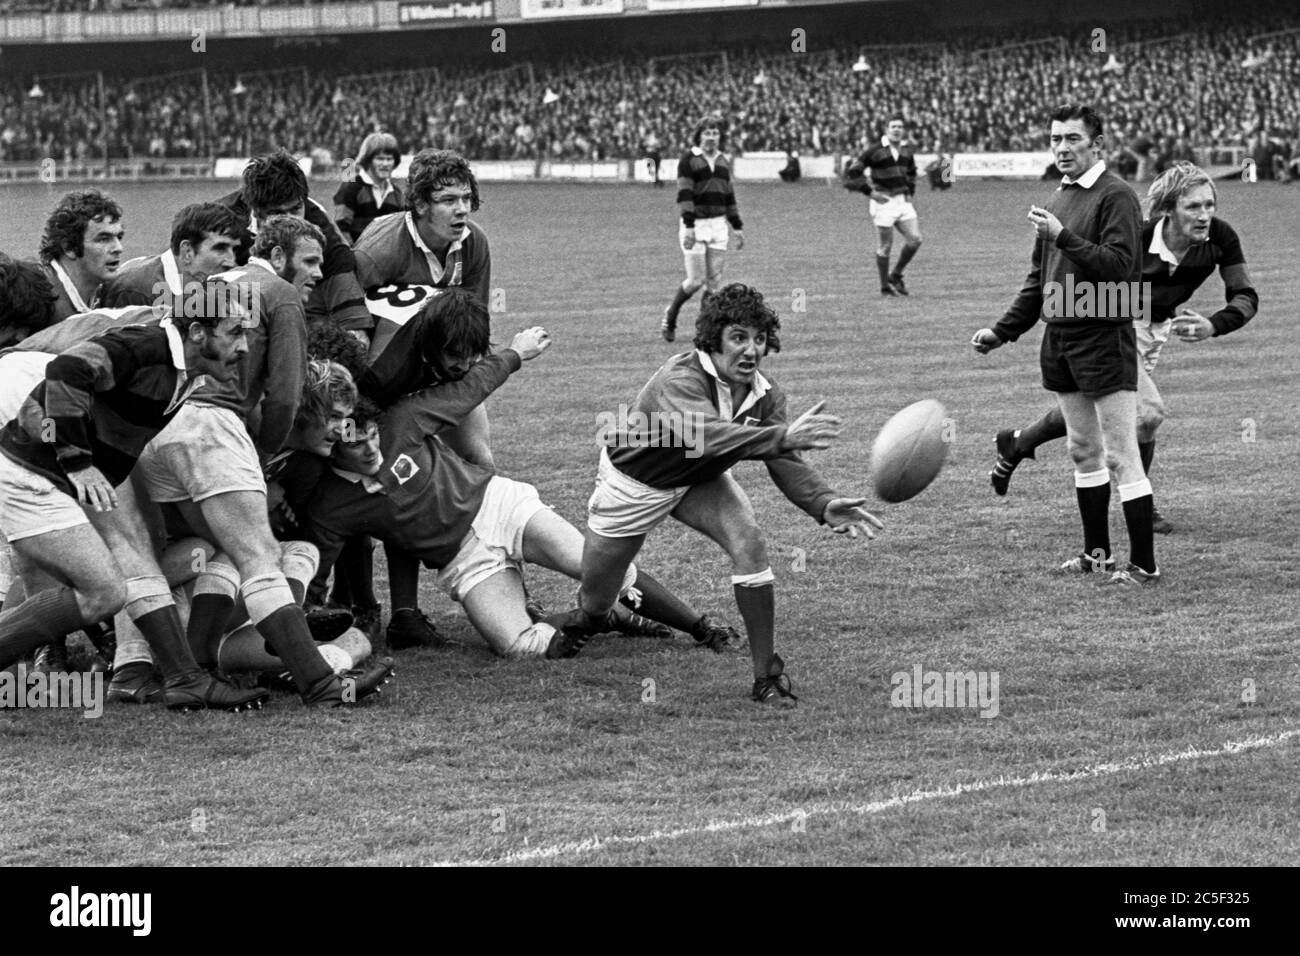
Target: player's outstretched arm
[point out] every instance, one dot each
(812, 430)
(530, 343)
(847, 516)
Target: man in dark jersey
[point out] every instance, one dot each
(1183, 244)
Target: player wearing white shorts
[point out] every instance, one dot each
(1183, 243)
(66, 505)
(706, 201)
(403, 483)
(737, 414)
(887, 174)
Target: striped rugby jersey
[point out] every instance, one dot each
(704, 192)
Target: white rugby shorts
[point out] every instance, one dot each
(887, 214)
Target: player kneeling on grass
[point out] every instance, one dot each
(736, 414)
(398, 480)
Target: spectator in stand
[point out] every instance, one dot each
(371, 193)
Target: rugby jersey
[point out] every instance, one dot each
(1170, 289)
(271, 374)
(338, 295)
(704, 192)
(391, 252)
(144, 281)
(69, 301)
(101, 402)
(889, 175)
(1101, 241)
(687, 385)
(425, 497)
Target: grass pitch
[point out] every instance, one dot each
(1133, 728)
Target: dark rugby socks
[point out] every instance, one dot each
(1093, 492)
(1147, 450)
(211, 608)
(403, 578)
(41, 619)
(1048, 428)
(756, 599)
(660, 604)
(679, 300)
(882, 266)
(1138, 505)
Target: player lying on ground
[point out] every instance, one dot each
(65, 503)
(1182, 243)
(398, 480)
(739, 414)
(1087, 239)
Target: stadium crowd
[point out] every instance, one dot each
(1218, 87)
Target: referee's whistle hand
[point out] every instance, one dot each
(985, 341)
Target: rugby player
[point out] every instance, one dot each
(432, 246)
(399, 481)
(203, 241)
(706, 201)
(1183, 244)
(886, 172)
(740, 414)
(81, 249)
(1090, 234)
(65, 503)
(205, 470)
(274, 184)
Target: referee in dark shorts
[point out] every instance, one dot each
(1085, 284)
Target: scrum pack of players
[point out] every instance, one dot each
(195, 440)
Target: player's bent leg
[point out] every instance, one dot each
(1150, 415)
(495, 606)
(911, 231)
(90, 590)
(721, 510)
(714, 260)
(1015, 445)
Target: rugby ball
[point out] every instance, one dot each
(910, 450)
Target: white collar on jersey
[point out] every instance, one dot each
(172, 273)
(373, 486)
(756, 391)
(1160, 248)
(70, 288)
(1088, 179)
(419, 243)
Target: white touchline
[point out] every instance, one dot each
(916, 796)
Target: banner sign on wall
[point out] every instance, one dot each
(541, 9)
(435, 11)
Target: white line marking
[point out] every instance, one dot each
(596, 843)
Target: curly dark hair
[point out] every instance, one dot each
(735, 304)
(365, 412)
(453, 323)
(273, 181)
(27, 299)
(327, 340)
(434, 169)
(711, 120)
(65, 230)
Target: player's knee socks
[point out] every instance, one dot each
(905, 256)
(1048, 428)
(281, 622)
(132, 648)
(1093, 491)
(1138, 505)
(42, 619)
(211, 608)
(756, 599)
(299, 561)
(659, 604)
(679, 300)
(882, 266)
(403, 578)
(1147, 451)
(530, 642)
(152, 609)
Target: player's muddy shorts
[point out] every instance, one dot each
(204, 451)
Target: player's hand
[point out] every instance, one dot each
(1192, 326)
(531, 343)
(360, 336)
(740, 239)
(93, 489)
(812, 430)
(985, 341)
(847, 516)
(880, 197)
(1045, 224)
(688, 239)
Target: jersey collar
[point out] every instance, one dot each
(70, 288)
(756, 391)
(1089, 178)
